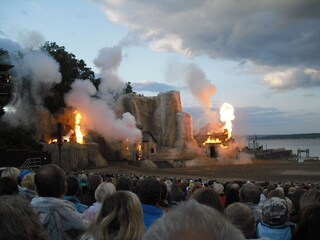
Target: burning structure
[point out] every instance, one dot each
(129, 127)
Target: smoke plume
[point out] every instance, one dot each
(108, 61)
(34, 75)
(95, 106)
(200, 87)
(98, 116)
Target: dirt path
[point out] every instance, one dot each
(259, 170)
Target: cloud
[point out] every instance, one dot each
(293, 78)
(153, 87)
(274, 33)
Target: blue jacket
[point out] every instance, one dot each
(282, 232)
(79, 206)
(150, 214)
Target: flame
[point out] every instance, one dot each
(226, 116)
(52, 141)
(139, 148)
(210, 139)
(79, 134)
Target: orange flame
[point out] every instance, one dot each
(226, 116)
(139, 148)
(52, 141)
(79, 134)
(210, 139)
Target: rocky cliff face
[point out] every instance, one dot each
(162, 116)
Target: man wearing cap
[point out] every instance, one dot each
(273, 224)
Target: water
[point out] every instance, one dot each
(294, 145)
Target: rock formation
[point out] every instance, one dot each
(162, 116)
(76, 156)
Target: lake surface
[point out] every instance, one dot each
(294, 144)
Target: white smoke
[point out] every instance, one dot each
(31, 39)
(34, 75)
(98, 116)
(232, 154)
(108, 61)
(95, 106)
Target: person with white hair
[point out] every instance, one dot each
(102, 191)
(192, 220)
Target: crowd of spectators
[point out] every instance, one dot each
(51, 203)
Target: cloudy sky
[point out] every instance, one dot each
(261, 56)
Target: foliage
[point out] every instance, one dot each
(17, 138)
(128, 88)
(71, 69)
(4, 56)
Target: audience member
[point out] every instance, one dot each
(149, 191)
(250, 196)
(8, 186)
(102, 191)
(209, 197)
(190, 220)
(219, 188)
(232, 194)
(87, 197)
(164, 202)
(73, 193)
(59, 217)
(309, 198)
(276, 193)
(22, 174)
(242, 217)
(273, 224)
(176, 194)
(120, 217)
(194, 186)
(309, 223)
(18, 220)
(11, 172)
(123, 183)
(28, 187)
(295, 198)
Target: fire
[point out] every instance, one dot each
(79, 134)
(227, 115)
(139, 148)
(52, 141)
(210, 139)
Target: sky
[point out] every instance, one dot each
(262, 56)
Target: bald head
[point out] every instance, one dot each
(50, 181)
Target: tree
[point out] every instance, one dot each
(17, 138)
(128, 88)
(71, 69)
(4, 56)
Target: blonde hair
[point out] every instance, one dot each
(120, 216)
(11, 172)
(103, 190)
(28, 181)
